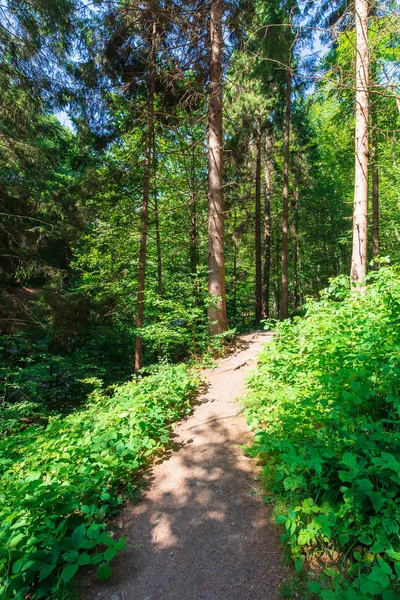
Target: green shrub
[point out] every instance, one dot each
(59, 484)
(31, 371)
(326, 406)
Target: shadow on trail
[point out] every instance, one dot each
(200, 530)
(204, 538)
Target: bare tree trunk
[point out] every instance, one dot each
(193, 252)
(258, 228)
(360, 211)
(375, 173)
(296, 295)
(145, 204)
(218, 321)
(267, 222)
(194, 235)
(285, 211)
(278, 258)
(375, 200)
(157, 221)
(235, 253)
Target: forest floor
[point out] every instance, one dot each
(200, 530)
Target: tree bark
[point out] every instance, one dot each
(235, 254)
(360, 210)
(145, 204)
(258, 241)
(217, 317)
(194, 235)
(267, 222)
(375, 199)
(285, 209)
(277, 287)
(375, 172)
(296, 294)
(157, 221)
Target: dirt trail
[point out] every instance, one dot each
(201, 531)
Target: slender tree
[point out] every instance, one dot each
(157, 220)
(194, 225)
(145, 202)
(374, 152)
(360, 209)
(296, 198)
(285, 207)
(258, 239)
(268, 166)
(375, 181)
(218, 320)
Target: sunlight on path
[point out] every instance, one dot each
(201, 531)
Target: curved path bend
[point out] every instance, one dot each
(201, 530)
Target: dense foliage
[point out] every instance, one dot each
(60, 482)
(107, 234)
(325, 403)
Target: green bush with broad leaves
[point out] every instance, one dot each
(60, 483)
(325, 404)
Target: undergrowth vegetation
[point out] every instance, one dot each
(325, 404)
(61, 481)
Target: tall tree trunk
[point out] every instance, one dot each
(267, 221)
(285, 210)
(193, 251)
(145, 204)
(218, 321)
(360, 210)
(277, 287)
(194, 235)
(296, 295)
(375, 171)
(157, 221)
(375, 196)
(235, 253)
(258, 228)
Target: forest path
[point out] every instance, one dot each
(201, 531)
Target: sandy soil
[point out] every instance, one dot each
(201, 530)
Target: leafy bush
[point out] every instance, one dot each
(60, 483)
(31, 371)
(326, 406)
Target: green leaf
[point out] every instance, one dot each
(384, 566)
(17, 538)
(393, 554)
(106, 539)
(97, 558)
(87, 544)
(120, 544)
(93, 531)
(329, 595)
(71, 556)
(109, 554)
(68, 572)
(46, 571)
(378, 575)
(298, 564)
(280, 519)
(314, 587)
(84, 559)
(78, 535)
(17, 566)
(33, 476)
(104, 571)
